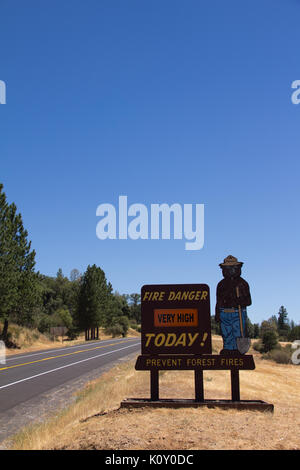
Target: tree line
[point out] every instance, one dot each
(269, 332)
(79, 302)
(85, 302)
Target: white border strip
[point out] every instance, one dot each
(67, 365)
(66, 348)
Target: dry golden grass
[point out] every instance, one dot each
(97, 397)
(96, 422)
(29, 340)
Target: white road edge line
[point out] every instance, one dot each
(14, 358)
(67, 365)
(66, 348)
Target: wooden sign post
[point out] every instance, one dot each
(176, 335)
(198, 363)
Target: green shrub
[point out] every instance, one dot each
(294, 334)
(72, 333)
(62, 317)
(45, 322)
(278, 355)
(114, 330)
(119, 327)
(258, 346)
(269, 340)
(133, 324)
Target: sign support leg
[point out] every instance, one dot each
(199, 389)
(154, 376)
(235, 385)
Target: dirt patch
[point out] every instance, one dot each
(189, 429)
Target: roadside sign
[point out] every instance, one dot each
(193, 362)
(176, 335)
(176, 319)
(58, 330)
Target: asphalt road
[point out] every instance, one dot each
(26, 378)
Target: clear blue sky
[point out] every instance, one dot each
(162, 101)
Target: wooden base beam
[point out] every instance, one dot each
(253, 405)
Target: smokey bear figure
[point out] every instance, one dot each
(233, 298)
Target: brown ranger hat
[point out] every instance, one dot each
(231, 261)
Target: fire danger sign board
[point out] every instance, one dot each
(176, 319)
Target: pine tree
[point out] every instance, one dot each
(282, 322)
(19, 292)
(135, 307)
(114, 309)
(256, 330)
(92, 299)
(59, 274)
(8, 274)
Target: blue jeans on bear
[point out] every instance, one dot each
(230, 327)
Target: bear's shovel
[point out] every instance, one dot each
(243, 344)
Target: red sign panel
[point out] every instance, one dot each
(176, 317)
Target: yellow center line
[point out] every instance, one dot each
(61, 355)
